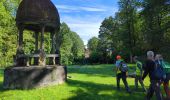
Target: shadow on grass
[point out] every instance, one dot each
(1, 82)
(94, 91)
(100, 70)
(1, 87)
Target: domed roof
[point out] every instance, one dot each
(34, 13)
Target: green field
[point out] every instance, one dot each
(96, 82)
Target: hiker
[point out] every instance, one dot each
(121, 73)
(166, 80)
(154, 82)
(139, 72)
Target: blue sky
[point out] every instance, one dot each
(85, 16)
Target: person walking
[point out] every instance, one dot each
(154, 83)
(121, 73)
(166, 80)
(139, 73)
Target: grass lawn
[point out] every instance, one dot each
(95, 82)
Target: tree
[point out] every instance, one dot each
(8, 32)
(107, 38)
(93, 44)
(71, 46)
(156, 20)
(128, 19)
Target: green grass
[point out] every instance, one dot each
(96, 82)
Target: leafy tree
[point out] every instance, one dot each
(71, 47)
(7, 33)
(93, 44)
(128, 19)
(156, 22)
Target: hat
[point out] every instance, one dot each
(118, 57)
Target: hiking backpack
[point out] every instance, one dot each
(158, 72)
(123, 67)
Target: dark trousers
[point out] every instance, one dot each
(166, 85)
(154, 87)
(123, 77)
(166, 88)
(138, 78)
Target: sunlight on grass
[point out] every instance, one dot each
(95, 82)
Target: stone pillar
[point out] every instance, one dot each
(42, 58)
(52, 42)
(20, 38)
(36, 48)
(20, 59)
(52, 60)
(36, 41)
(42, 38)
(57, 49)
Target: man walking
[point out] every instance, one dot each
(161, 62)
(121, 73)
(139, 72)
(154, 83)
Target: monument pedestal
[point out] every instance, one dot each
(33, 76)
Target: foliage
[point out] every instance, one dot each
(8, 32)
(138, 26)
(93, 43)
(71, 47)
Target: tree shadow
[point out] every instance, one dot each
(101, 70)
(95, 91)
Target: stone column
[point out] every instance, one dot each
(20, 38)
(57, 48)
(52, 60)
(42, 38)
(20, 59)
(42, 58)
(36, 41)
(36, 48)
(52, 42)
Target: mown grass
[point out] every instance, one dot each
(96, 82)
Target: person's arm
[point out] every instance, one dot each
(146, 71)
(140, 68)
(117, 65)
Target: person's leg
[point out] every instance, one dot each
(157, 90)
(150, 91)
(118, 76)
(136, 82)
(141, 82)
(125, 82)
(166, 88)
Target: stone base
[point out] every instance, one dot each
(33, 77)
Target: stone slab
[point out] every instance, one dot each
(33, 76)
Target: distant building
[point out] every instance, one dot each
(87, 53)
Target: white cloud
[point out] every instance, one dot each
(80, 8)
(85, 24)
(86, 27)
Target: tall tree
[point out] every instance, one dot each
(127, 18)
(93, 44)
(156, 22)
(71, 45)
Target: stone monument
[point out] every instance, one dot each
(41, 17)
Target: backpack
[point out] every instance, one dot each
(158, 72)
(165, 67)
(123, 67)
